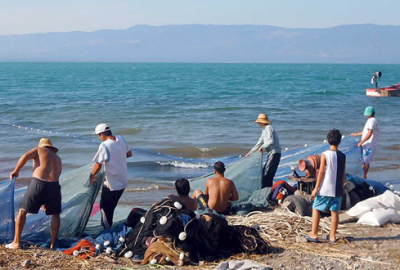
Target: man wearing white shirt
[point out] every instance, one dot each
(369, 139)
(113, 152)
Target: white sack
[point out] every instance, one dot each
(385, 200)
(379, 217)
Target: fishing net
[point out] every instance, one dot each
(291, 157)
(245, 173)
(78, 197)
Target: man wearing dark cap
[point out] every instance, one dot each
(113, 152)
(43, 190)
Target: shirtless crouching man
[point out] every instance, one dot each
(43, 190)
(219, 192)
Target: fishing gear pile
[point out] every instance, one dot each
(169, 233)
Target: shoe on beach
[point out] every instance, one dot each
(311, 240)
(11, 246)
(326, 237)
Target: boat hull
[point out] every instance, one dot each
(390, 91)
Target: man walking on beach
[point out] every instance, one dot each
(43, 190)
(369, 139)
(113, 152)
(268, 142)
(219, 193)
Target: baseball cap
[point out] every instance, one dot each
(369, 111)
(100, 128)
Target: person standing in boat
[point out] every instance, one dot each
(113, 152)
(369, 139)
(269, 143)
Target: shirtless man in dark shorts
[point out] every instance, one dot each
(219, 193)
(43, 190)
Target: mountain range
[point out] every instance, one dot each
(364, 43)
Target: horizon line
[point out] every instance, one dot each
(169, 25)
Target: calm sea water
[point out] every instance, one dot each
(195, 111)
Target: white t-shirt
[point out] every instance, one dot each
(372, 142)
(113, 155)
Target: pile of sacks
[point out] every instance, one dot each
(377, 211)
(170, 234)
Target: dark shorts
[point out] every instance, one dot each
(228, 210)
(40, 193)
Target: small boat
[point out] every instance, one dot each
(390, 91)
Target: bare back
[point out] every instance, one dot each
(47, 165)
(220, 191)
(190, 203)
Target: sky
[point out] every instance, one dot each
(42, 16)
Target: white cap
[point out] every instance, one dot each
(101, 128)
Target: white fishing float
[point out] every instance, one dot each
(153, 261)
(108, 250)
(75, 253)
(182, 236)
(106, 243)
(181, 256)
(163, 220)
(178, 205)
(142, 219)
(128, 254)
(167, 259)
(121, 239)
(98, 247)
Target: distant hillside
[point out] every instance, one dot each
(211, 43)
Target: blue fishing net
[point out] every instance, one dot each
(245, 173)
(78, 197)
(291, 157)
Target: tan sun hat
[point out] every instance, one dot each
(262, 118)
(45, 142)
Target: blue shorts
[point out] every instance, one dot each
(324, 203)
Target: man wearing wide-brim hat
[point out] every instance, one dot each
(268, 143)
(43, 190)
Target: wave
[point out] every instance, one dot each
(128, 131)
(181, 164)
(393, 147)
(203, 152)
(139, 189)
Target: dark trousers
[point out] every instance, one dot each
(270, 169)
(108, 202)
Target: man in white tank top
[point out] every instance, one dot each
(328, 190)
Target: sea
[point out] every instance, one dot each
(180, 118)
